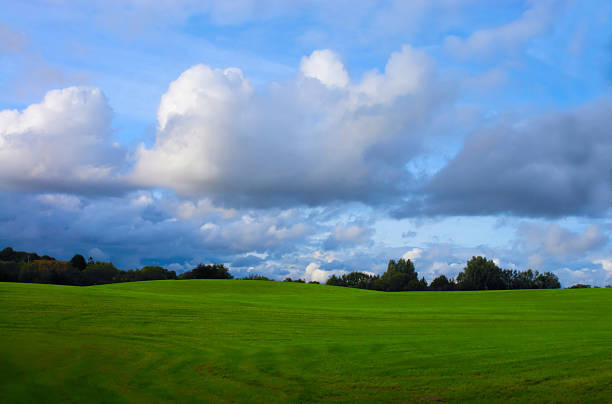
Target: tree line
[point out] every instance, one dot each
(478, 274)
(20, 266)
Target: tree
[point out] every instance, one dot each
(154, 272)
(481, 274)
(400, 276)
(547, 280)
(442, 283)
(78, 262)
(333, 281)
(214, 271)
(8, 254)
(359, 280)
(99, 273)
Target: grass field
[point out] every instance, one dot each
(256, 341)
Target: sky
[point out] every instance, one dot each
(308, 138)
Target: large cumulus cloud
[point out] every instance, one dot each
(318, 139)
(62, 144)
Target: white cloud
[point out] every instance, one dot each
(437, 268)
(325, 66)
(61, 144)
(406, 72)
(326, 256)
(313, 272)
(606, 264)
(298, 143)
(413, 254)
(204, 92)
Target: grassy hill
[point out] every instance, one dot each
(255, 341)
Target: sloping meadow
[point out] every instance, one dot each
(257, 341)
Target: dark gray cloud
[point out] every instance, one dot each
(551, 166)
(555, 240)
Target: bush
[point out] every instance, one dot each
(78, 261)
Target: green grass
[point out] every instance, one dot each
(256, 341)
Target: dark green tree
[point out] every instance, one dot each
(7, 254)
(214, 271)
(332, 280)
(78, 262)
(155, 272)
(547, 280)
(442, 283)
(481, 274)
(399, 276)
(99, 273)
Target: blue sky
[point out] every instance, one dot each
(307, 138)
